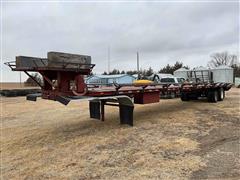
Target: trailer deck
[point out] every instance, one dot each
(63, 81)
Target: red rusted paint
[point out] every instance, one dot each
(146, 97)
(65, 82)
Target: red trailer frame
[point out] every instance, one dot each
(213, 91)
(65, 83)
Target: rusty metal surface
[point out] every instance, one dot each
(63, 76)
(146, 97)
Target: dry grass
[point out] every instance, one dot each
(48, 140)
(13, 85)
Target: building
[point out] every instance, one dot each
(218, 74)
(109, 79)
(135, 76)
(182, 73)
(237, 82)
(222, 73)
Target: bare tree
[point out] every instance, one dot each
(222, 58)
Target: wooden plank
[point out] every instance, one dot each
(56, 59)
(30, 62)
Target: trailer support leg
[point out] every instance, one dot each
(97, 109)
(94, 108)
(102, 110)
(126, 114)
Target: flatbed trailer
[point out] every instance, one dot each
(212, 91)
(64, 82)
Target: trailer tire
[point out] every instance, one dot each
(212, 96)
(184, 96)
(221, 94)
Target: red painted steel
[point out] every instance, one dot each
(146, 97)
(70, 82)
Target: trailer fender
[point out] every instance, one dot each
(122, 100)
(227, 86)
(125, 103)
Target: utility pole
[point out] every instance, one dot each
(20, 76)
(108, 59)
(138, 65)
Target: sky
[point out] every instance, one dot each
(162, 32)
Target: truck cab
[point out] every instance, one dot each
(167, 79)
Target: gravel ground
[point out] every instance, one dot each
(169, 140)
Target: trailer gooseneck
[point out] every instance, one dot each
(63, 81)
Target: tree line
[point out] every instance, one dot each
(225, 58)
(217, 59)
(169, 69)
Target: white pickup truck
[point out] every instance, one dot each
(168, 79)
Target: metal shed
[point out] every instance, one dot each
(109, 79)
(222, 73)
(181, 72)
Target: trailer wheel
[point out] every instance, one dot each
(184, 96)
(212, 96)
(221, 94)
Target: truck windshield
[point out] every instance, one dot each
(180, 80)
(168, 80)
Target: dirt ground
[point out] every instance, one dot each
(169, 140)
(13, 85)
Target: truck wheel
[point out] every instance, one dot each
(172, 95)
(221, 94)
(212, 96)
(194, 97)
(184, 96)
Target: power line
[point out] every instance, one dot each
(108, 59)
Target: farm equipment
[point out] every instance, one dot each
(63, 81)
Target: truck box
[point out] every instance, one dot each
(30, 62)
(146, 97)
(54, 60)
(59, 59)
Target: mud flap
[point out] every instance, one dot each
(94, 107)
(126, 114)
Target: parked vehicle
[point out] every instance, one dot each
(176, 80)
(167, 79)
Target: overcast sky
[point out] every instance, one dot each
(162, 32)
